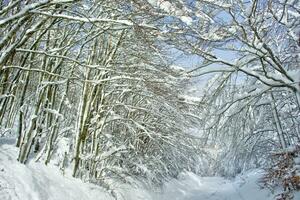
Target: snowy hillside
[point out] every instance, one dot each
(35, 181)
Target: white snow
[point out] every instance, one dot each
(35, 181)
(190, 99)
(54, 112)
(192, 187)
(187, 20)
(170, 8)
(6, 96)
(177, 68)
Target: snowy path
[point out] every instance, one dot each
(35, 181)
(192, 187)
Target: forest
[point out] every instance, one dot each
(144, 92)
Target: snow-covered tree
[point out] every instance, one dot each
(89, 86)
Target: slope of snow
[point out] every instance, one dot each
(35, 181)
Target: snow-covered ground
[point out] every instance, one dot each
(192, 187)
(35, 181)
